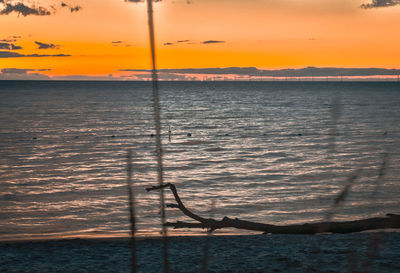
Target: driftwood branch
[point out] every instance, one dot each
(390, 221)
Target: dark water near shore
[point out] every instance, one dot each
(362, 252)
(275, 152)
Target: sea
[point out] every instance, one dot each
(271, 152)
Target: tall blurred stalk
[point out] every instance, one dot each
(131, 197)
(157, 123)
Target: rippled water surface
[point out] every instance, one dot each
(274, 152)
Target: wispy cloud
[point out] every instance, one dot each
(120, 43)
(178, 42)
(71, 8)
(7, 54)
(46, 46)
(193, 42)
(213, 42)
(380, 4)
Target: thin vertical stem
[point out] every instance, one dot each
(375, 242)
(131, 212)
(156, 107)
(207, 242)
(335, 114)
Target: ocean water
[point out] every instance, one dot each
(272, 152)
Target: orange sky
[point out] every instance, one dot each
(262, 33)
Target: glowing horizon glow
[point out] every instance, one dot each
(108, 35)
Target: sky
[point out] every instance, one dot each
(108, 39)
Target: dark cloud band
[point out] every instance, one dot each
(380, 4)
(301, 72)
(21, 70)
(6, 54)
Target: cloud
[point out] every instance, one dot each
(213, 42)
(15, 47)
(190, 42)
(9, 46)
(6, 54)
(177, 42)
(46, 46)
(120, 43)
(76, 8)
(32, 74)
(16, 70)
(22, 74)
(46, 55)
(10, 39)
(21, 8)
(380, 4)
(71, 8)
(5, 46)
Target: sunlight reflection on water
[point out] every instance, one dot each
(260, 150)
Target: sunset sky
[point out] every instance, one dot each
(104, 37)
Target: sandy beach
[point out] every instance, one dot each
(361, 252)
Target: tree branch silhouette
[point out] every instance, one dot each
(389, 221)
